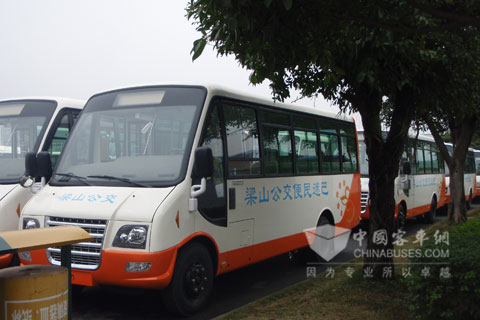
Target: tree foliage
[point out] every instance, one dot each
(380, 58)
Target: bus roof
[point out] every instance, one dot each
(421, 137)
(218, 90)
(76, 103)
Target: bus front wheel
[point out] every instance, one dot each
(192, 281)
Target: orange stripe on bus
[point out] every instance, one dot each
(5, 260)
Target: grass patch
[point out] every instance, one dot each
(341, 297)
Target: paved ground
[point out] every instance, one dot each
(232, 290)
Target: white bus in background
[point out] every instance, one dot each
(477, 166)
(179, 183)
(469, 177)
(28, 125)
(419, 192)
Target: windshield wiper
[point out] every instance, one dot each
(71, 175)
(126, 180)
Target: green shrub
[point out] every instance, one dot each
(454, 297)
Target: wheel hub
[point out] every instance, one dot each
(196, 279)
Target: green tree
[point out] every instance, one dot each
(354, 53)
(454, 107)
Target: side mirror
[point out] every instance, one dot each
(203, 165)
(31, 172)
(37, 166)
(31, 169)
(407, 168)
(44, 165)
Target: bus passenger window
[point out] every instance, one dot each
(420, 158)
(428, 158)
(330, 154)
(349, 154)
(277, 145)
(435, 163)
(306, 152)
(242, 141)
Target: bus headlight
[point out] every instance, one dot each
(131, 236)
(30, 223)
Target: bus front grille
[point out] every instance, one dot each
(85, 255)
(363, 202)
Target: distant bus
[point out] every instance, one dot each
(477, 166)
(28, 125)
(420, 192)
(469, 176)
(178, 183)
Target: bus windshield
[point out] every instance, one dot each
(363, 158)
(134, 137)
(22, 125)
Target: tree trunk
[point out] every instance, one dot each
(461, 129)
(384, 157)
(382, 173)
(457, 212)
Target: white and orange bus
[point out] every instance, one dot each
(418, 192)
(179, 183)
(477, 169)
(30, 124)
(469, 177)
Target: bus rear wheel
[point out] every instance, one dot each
(192, 281)
(430, 215)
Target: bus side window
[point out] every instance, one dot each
(428, 157)
(242, 141)
(277, 145)
(420, 158)
(435, 162)
(306, 152)
(212, 204)
(330, 154)
(411, 155)
(349, 154)
(75, 115)
(59, 138)
(306, 145)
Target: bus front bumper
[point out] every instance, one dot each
(5, 260)
(112, 269)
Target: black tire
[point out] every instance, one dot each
(469, 201)
(192, 281)
(401, 217)
(15, 260)
(77, 290)
(301, 256)
(430, 215)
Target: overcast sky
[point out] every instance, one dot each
(78, 48)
